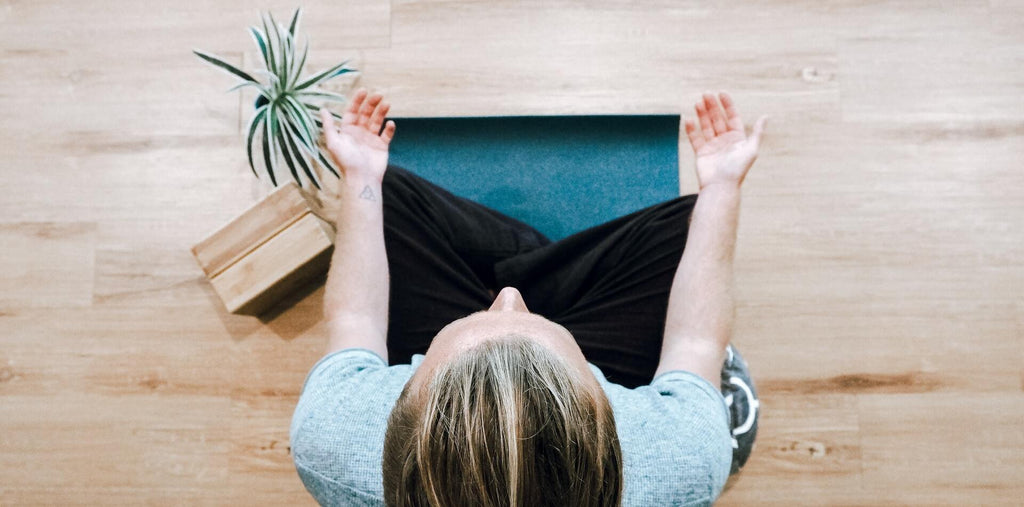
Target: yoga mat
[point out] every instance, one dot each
(560, 174)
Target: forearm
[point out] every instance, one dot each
(701, 311)
(356, 295)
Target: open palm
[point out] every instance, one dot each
(358, 146)
(723, 149)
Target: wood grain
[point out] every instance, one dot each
(47, 264)
(909, 459)
(267, 218)
(879, 267)
(808, 448)
(284, 261)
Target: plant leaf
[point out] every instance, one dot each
(328, 164)
(299, 156)
(273, 78)
(282, 60)
(311, 151)
(260, 41)
(266, 150)
(275, 154)
(299, 114)
(271, 60)
(325, 161)
(263, 89)
(319, 94)
(254, 122)
(283, 147)
(288, 55)
(315, 113)
(288, 111)
(224, 65)
(319, 124)
(337, 70)
(302, 63)
(295, 20)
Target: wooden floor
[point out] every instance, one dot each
(879, 270)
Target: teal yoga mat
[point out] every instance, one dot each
(560, 174)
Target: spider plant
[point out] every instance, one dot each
(285, 115)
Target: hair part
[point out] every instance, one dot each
(506, 423)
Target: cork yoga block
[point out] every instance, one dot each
(268, 251)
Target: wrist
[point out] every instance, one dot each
(721, 187)
(719, 196)
(359, 196)
(360, 181)
(361, 187)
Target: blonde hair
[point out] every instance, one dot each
(506, 423)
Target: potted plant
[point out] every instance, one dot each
(281, 242)
(285, 113)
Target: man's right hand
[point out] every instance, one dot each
(723, 149)
(358, 145)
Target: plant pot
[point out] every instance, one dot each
(266, 252)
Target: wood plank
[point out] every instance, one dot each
(116, 449)
(148, 264)
(74, 142)
(903, 349)
(261, 468)
(855, 18)
(47, 264)
(147, 368)
(807, 450)
(111, 350)
(1006, 17)
(944, 449)
(583, 59)
(867, 221)
(211, 26)
(931, 78)
(1020, 340)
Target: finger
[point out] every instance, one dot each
(389, 132)
(696, 140)
(377, 119)
(732, 117)
(352, 111)
(367, 109)
(716, 113)
(705, 121)
(759, 130)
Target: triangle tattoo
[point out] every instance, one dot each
(367, 194)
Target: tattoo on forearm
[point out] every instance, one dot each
(367, 194)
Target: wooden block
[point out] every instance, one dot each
(290, 258)
(267, 251)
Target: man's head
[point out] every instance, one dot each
(504, 410)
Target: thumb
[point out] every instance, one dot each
(759, 130)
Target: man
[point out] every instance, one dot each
(441, 387)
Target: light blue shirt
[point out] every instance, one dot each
(674, 433)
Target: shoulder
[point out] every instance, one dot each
(337, 430)
(675, 439)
